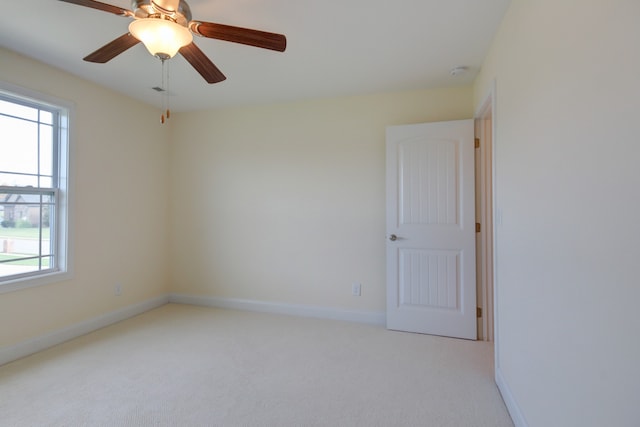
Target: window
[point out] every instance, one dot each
(34, 189)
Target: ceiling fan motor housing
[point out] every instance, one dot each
(151, 9)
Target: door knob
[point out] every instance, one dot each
(393, 237)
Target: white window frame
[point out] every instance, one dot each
(63, 193)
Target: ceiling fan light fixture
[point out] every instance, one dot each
(162, 37)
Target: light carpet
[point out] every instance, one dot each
(182, 365)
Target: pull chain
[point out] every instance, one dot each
(163, 96)
(166, 94)
(166, 113)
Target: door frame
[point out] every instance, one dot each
(486, 214)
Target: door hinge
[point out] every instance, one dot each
(477, 143)
(478, 312)
(477, 227)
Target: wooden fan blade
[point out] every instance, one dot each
(240, 35)
(101, 6)
(111, 50)
(201, 63)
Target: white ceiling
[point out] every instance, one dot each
(334, 47)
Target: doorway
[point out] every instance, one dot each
(425, 286)
(484, 167)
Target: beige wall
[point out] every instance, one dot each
(567, 147)
(121, 206)
(280, 203)
(286, 203)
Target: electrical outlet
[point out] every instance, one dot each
(117, 289)
(356, 289)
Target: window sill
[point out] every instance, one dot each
(33, 281)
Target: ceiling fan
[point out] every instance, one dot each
(165, 28)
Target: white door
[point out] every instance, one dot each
(431, 275)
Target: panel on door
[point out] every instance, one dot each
(431, 229)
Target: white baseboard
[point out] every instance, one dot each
(25, 348)
(34, 345)
(279, 308)
(509, 401)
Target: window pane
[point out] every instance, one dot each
(18, 145)
(48, 199)
(16, 267)
(46, 150)
(25, 244)
(22, 241)
(46, 182)
(11, 264)
(14, 179)
(46, 246)
(18, 110)
(46, 117)
(47, 215)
